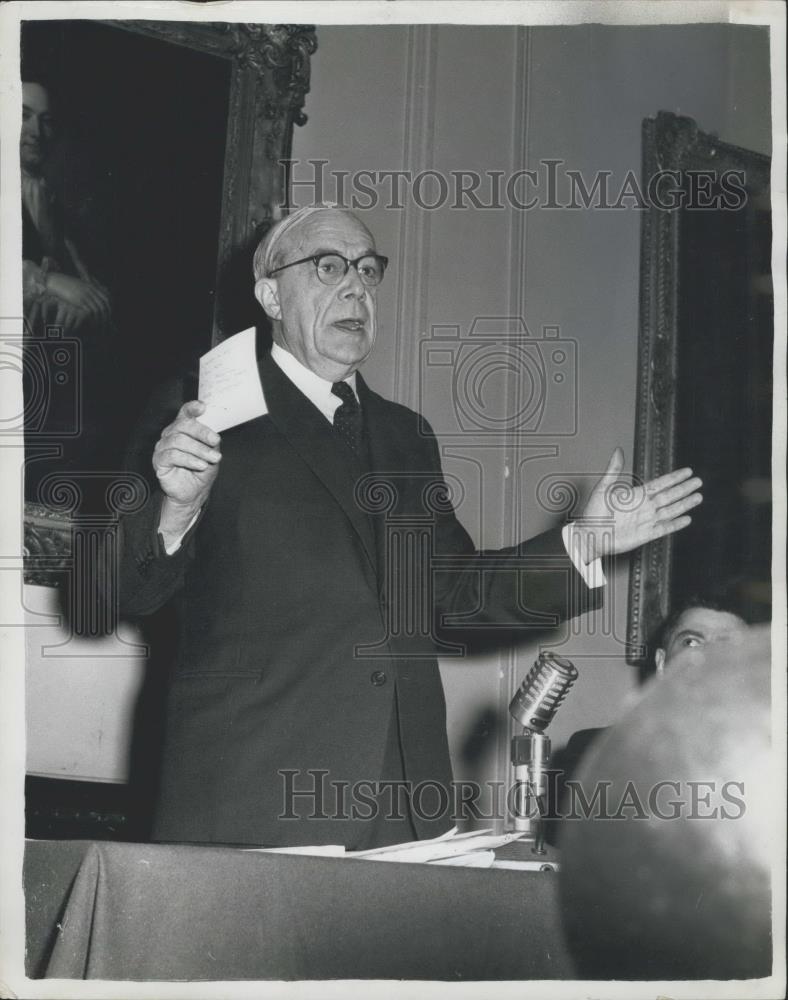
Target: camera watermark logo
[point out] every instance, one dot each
(500, 379)
(51, 370)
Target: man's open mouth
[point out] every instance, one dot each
(353, 325)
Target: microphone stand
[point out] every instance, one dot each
(530, 756)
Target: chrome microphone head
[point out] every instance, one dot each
(541, 693)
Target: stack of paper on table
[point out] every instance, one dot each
(470, 850)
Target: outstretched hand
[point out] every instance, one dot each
(619, 518)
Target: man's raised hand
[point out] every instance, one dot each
(619, 518)
(186, 461)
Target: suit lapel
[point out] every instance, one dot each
(390, 450)
(394, 461)
(313, 438)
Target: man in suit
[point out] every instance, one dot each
(297, 708)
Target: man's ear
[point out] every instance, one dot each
(266, 291)
(659, 660)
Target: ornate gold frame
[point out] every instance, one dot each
(670, 143)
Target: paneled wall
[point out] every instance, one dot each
(456, 98)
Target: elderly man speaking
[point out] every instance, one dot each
(295, 710)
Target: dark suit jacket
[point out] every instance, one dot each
(291, 568)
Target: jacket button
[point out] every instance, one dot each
(378, 678)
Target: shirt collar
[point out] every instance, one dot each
(316, 389)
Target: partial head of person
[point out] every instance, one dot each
(317, 274)
(667, 873)
(38, 126)
(695, 632)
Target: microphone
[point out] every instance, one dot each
(534, 706)
(540, 695)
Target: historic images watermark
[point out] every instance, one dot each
(551, 185)
(308, 793)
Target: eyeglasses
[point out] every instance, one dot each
(332, 267)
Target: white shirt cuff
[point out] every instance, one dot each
(592, 573)
(173, 547)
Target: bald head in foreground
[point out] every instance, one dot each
(668, 876)
(306, 705)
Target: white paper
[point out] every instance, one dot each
(409, 844)
(230, 383)
(447, 846)
(473, 849)
(479, 859)
(318, 850)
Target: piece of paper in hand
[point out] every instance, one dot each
(230, 383)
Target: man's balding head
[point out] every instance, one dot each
(272, 250)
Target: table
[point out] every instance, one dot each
(104, 910)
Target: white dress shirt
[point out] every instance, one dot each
(316, 389)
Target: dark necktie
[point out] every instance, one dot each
(347, 419)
